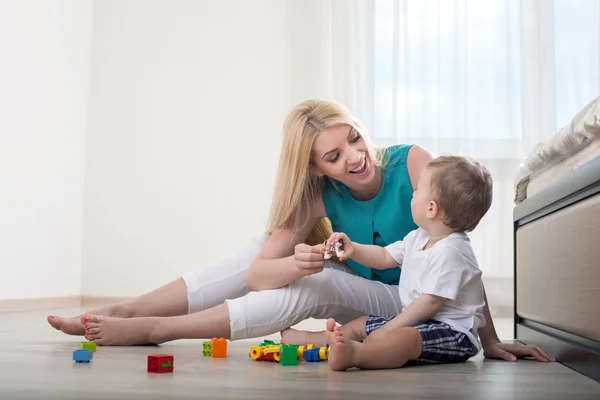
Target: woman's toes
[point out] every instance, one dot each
(92, 331)
(87, 318)
(52, 320)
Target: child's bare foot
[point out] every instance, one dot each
(70, 326)
(294, 336)
(109, 331)
(340, 351)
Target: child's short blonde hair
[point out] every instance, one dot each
(462, 188)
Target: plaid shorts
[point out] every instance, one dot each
(441, 343)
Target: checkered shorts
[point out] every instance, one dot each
(441, 343)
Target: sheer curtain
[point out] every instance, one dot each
(486, 79)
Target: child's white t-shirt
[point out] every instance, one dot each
(448, 269)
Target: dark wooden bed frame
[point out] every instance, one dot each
(579, 353)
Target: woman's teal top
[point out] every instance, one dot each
(382, 220)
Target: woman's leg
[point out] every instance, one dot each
(202, 288)
(334, 292)
(170, 299)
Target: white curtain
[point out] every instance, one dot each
(482, 78)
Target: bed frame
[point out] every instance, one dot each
(557, 269)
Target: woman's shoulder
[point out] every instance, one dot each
(410, 157)
(395, 155)
(417, 158)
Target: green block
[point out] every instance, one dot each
(288, 354)
(267, 342)
(88, 346)
(207, 348)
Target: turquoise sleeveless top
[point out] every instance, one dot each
(382, 220)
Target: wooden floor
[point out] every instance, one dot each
(37, 363)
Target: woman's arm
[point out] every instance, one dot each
(418, 157)
(285, 258)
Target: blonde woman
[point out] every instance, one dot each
(328, 171)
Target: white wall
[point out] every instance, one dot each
(44, 64)
(187, 101)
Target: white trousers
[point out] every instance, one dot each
(335, 292)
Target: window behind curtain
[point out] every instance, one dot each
(447, 74)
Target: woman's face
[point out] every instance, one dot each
(341, 153)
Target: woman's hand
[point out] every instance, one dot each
(512, 351)
(347, 245)
(309, 259)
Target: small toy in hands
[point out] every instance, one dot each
(336, 248)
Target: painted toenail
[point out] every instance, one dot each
(85, 325)
(86, 318)
(52, 316)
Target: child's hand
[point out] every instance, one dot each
(347, 247)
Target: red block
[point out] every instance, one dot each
(160, 363)
(268, 357)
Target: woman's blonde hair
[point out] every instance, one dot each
(296, 188)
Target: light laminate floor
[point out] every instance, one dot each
(37, 363)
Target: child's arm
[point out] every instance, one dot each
(372, 256)
(420, 310)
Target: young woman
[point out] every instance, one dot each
(329, 174)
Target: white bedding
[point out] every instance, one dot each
(571, 147)
(563, 167)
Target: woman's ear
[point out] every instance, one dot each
(313, 169)
(433, 209)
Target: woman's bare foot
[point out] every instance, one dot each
(340, 351)
(294, 336)
(109, 331)
(70, 326)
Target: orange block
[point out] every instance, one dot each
(219, 348)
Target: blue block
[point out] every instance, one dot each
(82, 356)
(311, 355)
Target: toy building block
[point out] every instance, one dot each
(82, 356)
(266, 351)
(88, 346)
(206, 348)
(160, 363)
(301, 352)
(288, 354)
(272, 350)
(218, 348)
(311, 355)
(255, 352)
(324, 352)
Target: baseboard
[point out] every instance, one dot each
(99, 301)
(40, 303)
(87, 302)
(499, 293)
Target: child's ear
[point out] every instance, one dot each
(433, 209)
